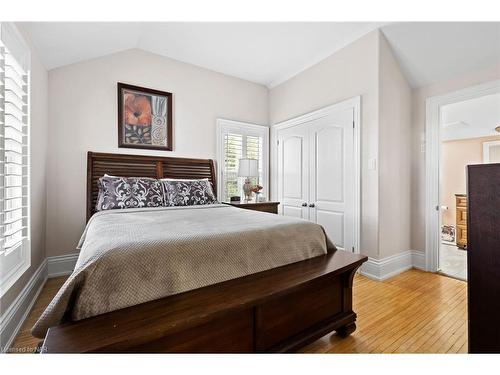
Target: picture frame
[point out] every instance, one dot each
(144, 118)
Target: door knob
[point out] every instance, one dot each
(311, 205)
(304, 204)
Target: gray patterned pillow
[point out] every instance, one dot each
(188, 192)
(128, 192)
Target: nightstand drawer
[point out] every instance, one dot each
(461, 215)
(461, 201)
(271, 207)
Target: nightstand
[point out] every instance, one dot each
(271, 207)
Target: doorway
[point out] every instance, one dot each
(462, 129)
(317, 166)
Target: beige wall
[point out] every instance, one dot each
(39, 135)
(418, 133)
(394, 155)
(83, 117)
(455, 156)
(350, 72)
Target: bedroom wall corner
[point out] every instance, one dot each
(347, 73)
(83, 117)
(394, 155)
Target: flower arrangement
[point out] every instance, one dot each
(256, 189)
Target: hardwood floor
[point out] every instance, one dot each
(24, 341)
(414, 312)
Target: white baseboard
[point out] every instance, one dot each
(382, 269)
(418, 259)
(13, 318)
(61, 265)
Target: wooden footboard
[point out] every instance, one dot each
(278, 310)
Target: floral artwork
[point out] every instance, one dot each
(145, 118)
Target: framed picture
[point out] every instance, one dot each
(144, 118)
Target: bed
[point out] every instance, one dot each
(209, 278)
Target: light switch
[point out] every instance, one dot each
(372, 164)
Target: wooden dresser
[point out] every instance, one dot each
(483, 257)
(461, 220)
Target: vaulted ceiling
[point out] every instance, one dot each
(429, 52)
(270, 53)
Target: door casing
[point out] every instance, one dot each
(352, 103)
(433, 163)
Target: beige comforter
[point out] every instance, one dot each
(132, 256)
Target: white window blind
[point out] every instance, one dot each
(238, 140)
(14, 154)
(233, 151)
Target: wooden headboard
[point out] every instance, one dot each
(99, 164)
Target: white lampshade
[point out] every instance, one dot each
(248, 168)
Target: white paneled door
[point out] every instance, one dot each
(293, 171)
(316, 173)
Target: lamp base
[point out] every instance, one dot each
(247, 189)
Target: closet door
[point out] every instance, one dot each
(293, 171)
(331, 186)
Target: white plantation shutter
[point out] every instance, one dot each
(253, 149)
(233, 151)
(238, 140)
(14, 155)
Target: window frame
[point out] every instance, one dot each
(486, 150)
(225, 126)
(15, 262)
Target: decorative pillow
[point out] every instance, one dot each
(187, 192)
(128, 192)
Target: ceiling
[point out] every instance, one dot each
(266, 53)
(270, 53)
(471, 118)
(430, 52)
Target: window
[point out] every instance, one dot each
(491, 152)
(236, 140)
(14, 156)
